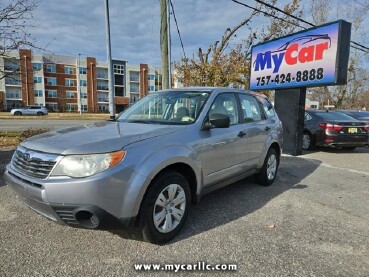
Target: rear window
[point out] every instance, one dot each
(334, 116)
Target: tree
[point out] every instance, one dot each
(353, 94)
(226, 64)
(15, 20)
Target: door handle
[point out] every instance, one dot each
(267, 128)
(241, 134)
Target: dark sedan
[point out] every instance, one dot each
(357, 114)
(333, 129)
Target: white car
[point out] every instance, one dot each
(30, 110)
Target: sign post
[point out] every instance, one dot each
(314, 57)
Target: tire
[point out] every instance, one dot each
(40, 113)
(161, 219)
(307, 141)
(17, 113)
(268, 172)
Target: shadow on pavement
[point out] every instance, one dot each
(5, 157)
(239, 199)
(357, 150)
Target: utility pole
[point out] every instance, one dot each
(164, 43)
(110, 65)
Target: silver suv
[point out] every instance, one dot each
(148, 167)
(30, 110)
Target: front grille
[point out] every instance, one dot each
(33, 163)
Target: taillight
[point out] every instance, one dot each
(331, 127)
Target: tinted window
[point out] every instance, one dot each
(250, 108)
(334, 116)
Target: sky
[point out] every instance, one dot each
(78, 27)
(72, 27)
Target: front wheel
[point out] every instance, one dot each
(40, 113)
(165, 207)
(269, 170)
(17, 113)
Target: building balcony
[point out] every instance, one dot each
(13, 96)
(102, 88)
(12, 82)
(102, 76)
(103, 100)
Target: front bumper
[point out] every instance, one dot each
(104, 200)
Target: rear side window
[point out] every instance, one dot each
(250, 108)
(268, 107)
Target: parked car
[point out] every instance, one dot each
(146, 168)
(30, 110)
(357, 114)
(333, 129)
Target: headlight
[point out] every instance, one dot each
(87, 165)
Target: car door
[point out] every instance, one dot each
(27, 111)
(223, 149)
(256, 127)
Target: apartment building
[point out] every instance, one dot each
(72, 84)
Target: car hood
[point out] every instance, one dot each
(99, 137)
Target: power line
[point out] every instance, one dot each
(265, 13)
(179, 33)
(361, 47)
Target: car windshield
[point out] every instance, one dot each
(168, 107)
(335, 116)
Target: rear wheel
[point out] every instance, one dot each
(307, 141)
(17, 113)
(40, 113)
(269, 170)
(165, 207)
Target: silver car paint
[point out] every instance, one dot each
(214, 155)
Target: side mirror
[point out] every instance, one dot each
(217, 120)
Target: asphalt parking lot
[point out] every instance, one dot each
(313, 221)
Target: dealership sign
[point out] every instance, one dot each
(315, 57)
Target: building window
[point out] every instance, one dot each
(52, 107)
(83, 83)
(102, 74)
(119, 80)
(82, 70)
(70, 94)
(37, 80)
(69, 82)
(84, 108)
(51, 68)
(38, 93)
(119, 91)
(151, 88)
(118, 69)
(101, 85)
(103, 109)
(84, 95)
(70, 107)
(37, 66)
(68, 70)
(51, 93)
(151, 77)
(50, 81)
(134, 87)
(134, 76)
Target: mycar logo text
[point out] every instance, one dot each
(294, 52)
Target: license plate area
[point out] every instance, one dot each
(352, 130)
